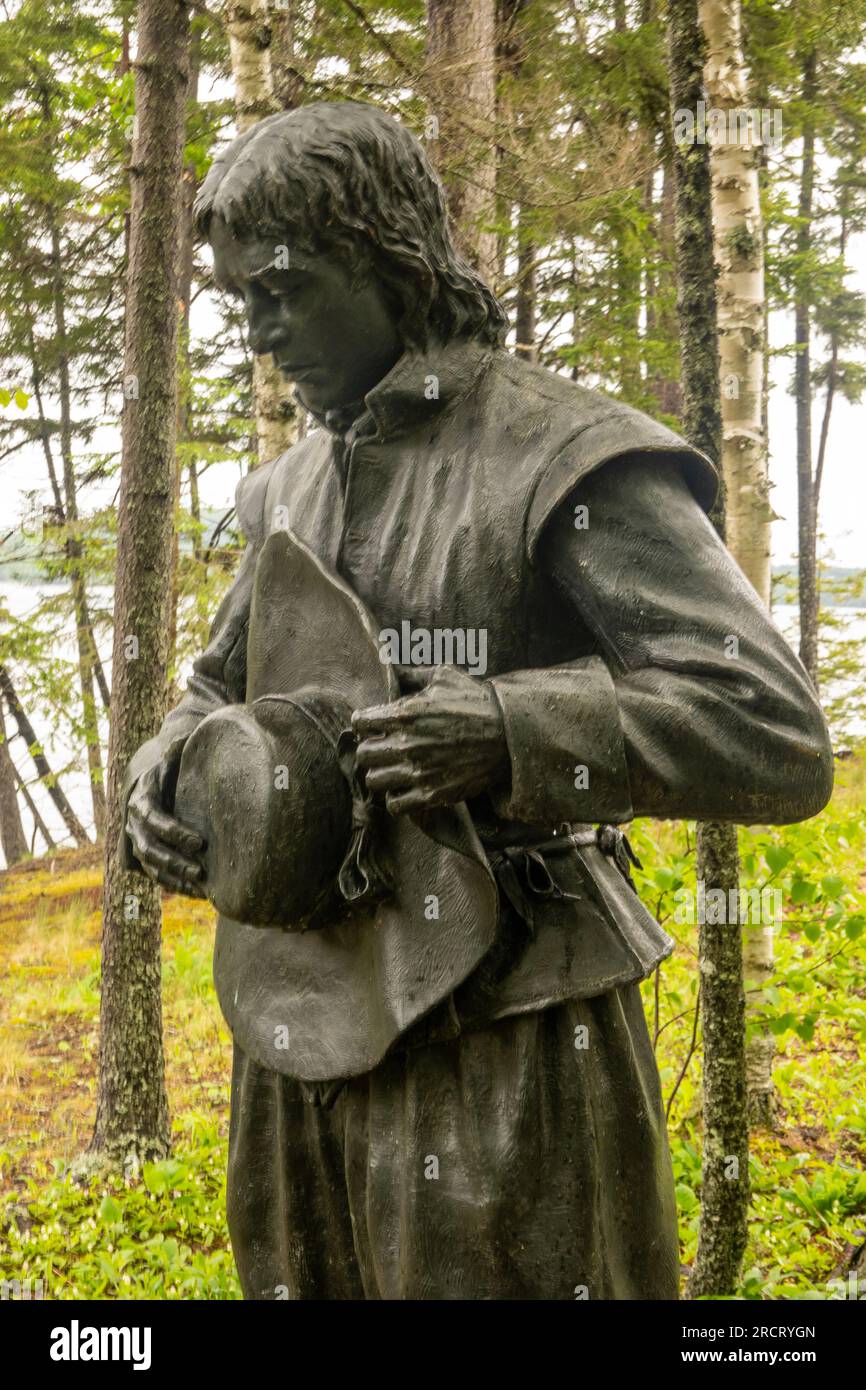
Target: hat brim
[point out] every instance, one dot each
(307, 628)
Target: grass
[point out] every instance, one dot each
(49, 1011)
(164, 1236)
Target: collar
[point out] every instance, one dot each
(418, 387)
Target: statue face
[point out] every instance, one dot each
(334, 339)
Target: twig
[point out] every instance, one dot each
(689, 1056)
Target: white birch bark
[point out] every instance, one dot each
(740, 288)
(738, 244)
(247, 25)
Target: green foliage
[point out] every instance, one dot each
(842, 654)
(779, 37)
(807, 1175)
(160, 1236)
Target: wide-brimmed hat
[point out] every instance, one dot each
(340, 925)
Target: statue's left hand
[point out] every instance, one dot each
(434, 747)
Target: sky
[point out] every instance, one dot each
(842, 515)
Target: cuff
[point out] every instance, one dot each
(566, 746)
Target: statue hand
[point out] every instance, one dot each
(436, 747)
(164, 848)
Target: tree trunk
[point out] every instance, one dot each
(725, 1168)
(249, 44)
(185, 266)
(249, 33)
(12, 838)
(195, 510)
(87, 654)
(807, 520)
(287, 82)
(739, 247)
(628, 266)
(832, 385)
(60, 509)
(38, 822)
(461, 82)
(650, 269)
(510, 57)
(88, 657)
(524, 316)
(668, 388)
(725, 1159)
(132, 1109)
(739, 251)
(696, 290)
(40, 762)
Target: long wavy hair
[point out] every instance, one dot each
(346, 179)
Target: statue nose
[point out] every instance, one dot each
(264, 336)
(263, 323)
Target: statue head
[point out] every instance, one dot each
(331, 224)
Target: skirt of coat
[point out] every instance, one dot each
(527, 1160)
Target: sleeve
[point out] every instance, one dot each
(693, 706)
(219, 674)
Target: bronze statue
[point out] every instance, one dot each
(481, 621)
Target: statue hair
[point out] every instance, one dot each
(346, 179)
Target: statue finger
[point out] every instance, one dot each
(172, 883)
(165, 860)
(166, 828)
(382, 779)
(421, 797)
(383, 719)
(184, 883)
(398, 748)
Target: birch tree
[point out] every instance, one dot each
(738, 242)
(248, 28)
(725, 1160)
(739, 253)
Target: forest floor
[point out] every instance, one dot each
(163, 1233)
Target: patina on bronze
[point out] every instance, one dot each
(443, 1085)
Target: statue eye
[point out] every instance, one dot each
(287, 289)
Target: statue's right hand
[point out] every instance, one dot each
(165, 849)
